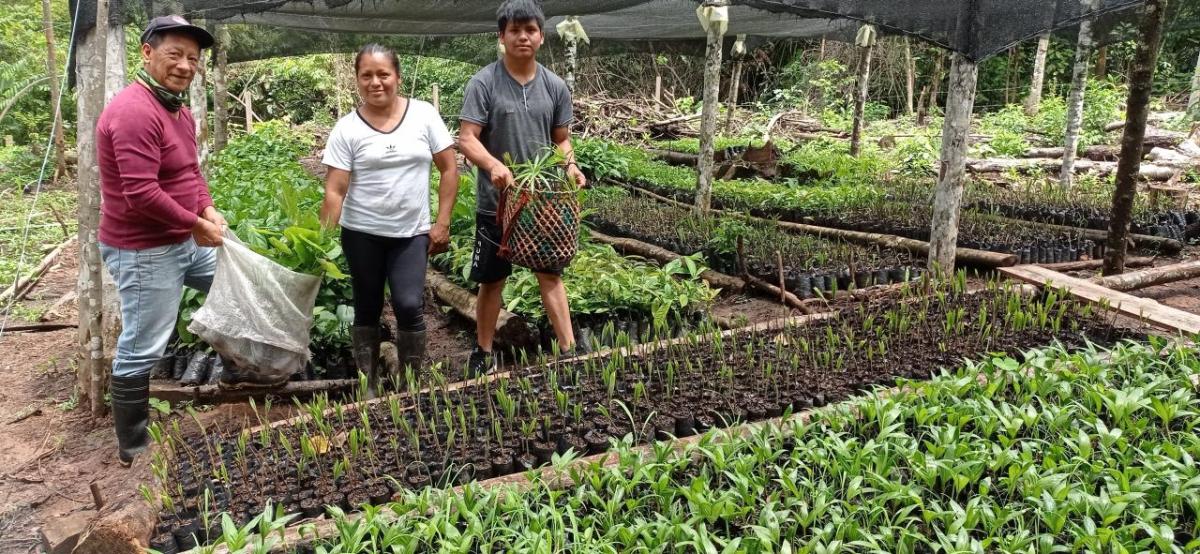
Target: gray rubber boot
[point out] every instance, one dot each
(365, 347)
(410, 349)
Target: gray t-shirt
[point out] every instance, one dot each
(517, 120)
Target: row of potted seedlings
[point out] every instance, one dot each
(433, 433)
(812, 265)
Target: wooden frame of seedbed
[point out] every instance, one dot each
(304, 533)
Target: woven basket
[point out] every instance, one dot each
(539, 226)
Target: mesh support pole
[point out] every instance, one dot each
(1033, 102)
(1141, 83)
(956, 127)
(708, 117)
(1079, 77)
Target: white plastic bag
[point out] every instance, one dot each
(258, 313)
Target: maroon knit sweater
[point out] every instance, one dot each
(150, 183)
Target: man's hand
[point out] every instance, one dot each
(576, 175)
(501, 176)
(215, 217)
(439, 238)
(207, 233)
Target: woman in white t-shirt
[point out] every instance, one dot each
(377, 189)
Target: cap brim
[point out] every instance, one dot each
(201, 35)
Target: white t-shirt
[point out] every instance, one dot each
(389, 171)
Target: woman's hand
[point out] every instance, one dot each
(439, 238)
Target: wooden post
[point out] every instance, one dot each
(114, 66)
(1034, 100)
(90, 76)
(935, 83)
(1079, 77)
(956, 126)
(247, 103)
(437, 98)
(738, 52)
(1194, 98)
(910, 77)
(60, 148)
(1101, 62)
(572, 50)
(1137, 109)
(658, 89)
(866, 43)
(220, 134)
(708, 119)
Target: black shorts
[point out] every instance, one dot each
(486, 264)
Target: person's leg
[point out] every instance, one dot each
(203, 266)
(554, 298)
(406, 262)
(490, 271)
(366, 257)
(150, 285)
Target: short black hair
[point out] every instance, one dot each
(520, 10)
(376, 48)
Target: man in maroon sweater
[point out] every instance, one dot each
(157, 221)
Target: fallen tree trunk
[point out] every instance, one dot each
(1161, 244)
(121, 528)
(664, 256)
(1161, 171)
(969, 256)
(23, 285)
(675, 158)
(511, 330)
(213, 394)
(1099, 152)
(1095, 264)
(1150, 277)
(790, 300)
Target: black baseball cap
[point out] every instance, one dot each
(164, 23)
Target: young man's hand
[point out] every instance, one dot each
(439, 238)
(207, 233)
(576, 175)
(501, 176)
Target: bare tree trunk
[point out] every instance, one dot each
(435, 92)
(60, 147)
(114, 65)
(1101, 62)
(734, 82)
(345, 81)
(935, 83)
(1034, 101)
(572, 51)
(1079, 77)
(1141, 80)
(220, 134)
(910, 77)
(90, 75)
(708, 119)
(960, 100)
(1194, 98)
(1010, 73)
(860, 99)
(198, 100)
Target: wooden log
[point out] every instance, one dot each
(1095, 264)
(675, 158)
(213, 394)
(662, 255)
(23, 285)
(947, 196)
(511, 329)
(790, 300)
(1150, 277)
(1149, 242)
(1160, 171)
(968, 256)
(1098, 152)
(1144, 309)
(121, 528)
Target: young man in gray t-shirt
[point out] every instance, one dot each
(517, 107)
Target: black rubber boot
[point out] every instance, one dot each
(131, 415)
(365, 348)
(410, 349)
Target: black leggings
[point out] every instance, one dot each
(399, 262)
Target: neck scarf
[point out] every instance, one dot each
(170, 100)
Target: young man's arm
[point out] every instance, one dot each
(562, 139)
(473, 149)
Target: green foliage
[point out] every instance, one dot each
(19, 167)
(23, 63)
(598, 159)
(44, 233)
(831, 164)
